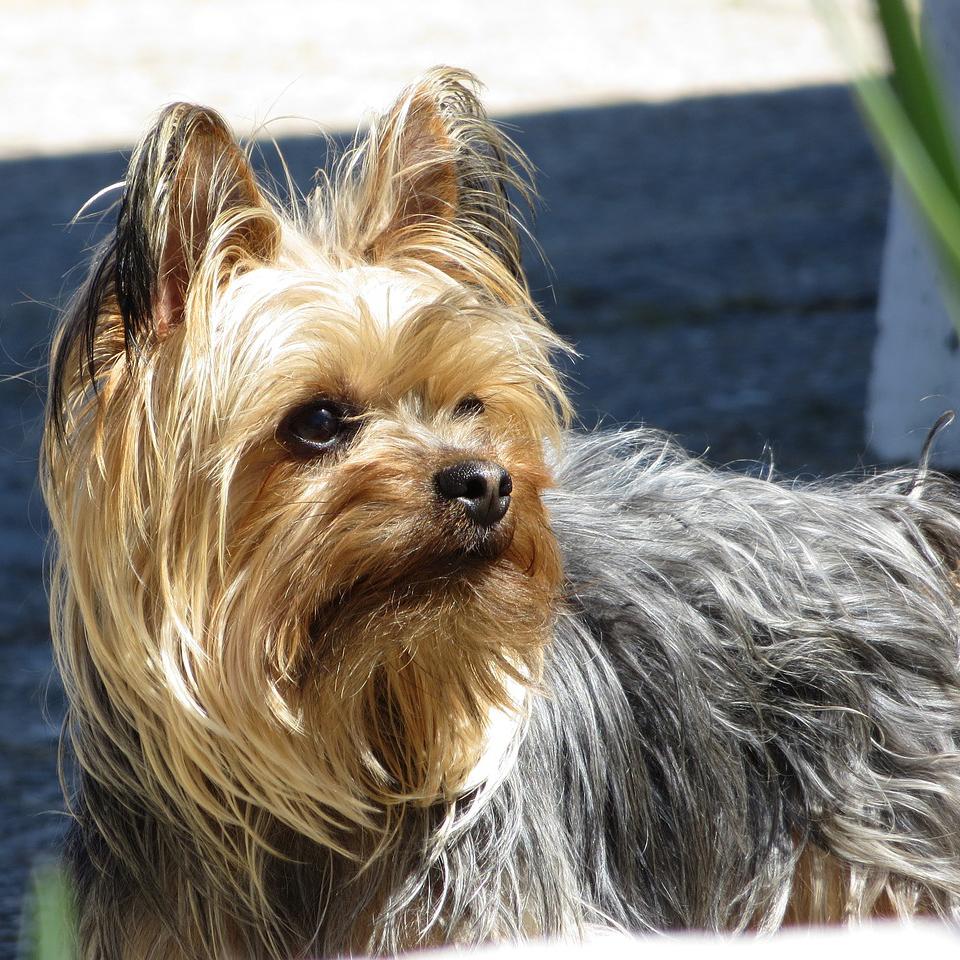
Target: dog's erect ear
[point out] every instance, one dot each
(436, 181)
(191, 201)
(191, 213)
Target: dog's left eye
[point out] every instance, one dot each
(314, 428)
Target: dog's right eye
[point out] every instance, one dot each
(315, 428)
(470, 405)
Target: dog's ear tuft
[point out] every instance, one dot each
(436, 181)
(191, 198)
(190, 214)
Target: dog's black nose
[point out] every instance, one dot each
(483, 487)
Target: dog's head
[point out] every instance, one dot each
(294, 462)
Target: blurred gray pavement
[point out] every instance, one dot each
(714, 260)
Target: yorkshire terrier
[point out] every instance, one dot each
(365, 649)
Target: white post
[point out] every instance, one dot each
(916, 360)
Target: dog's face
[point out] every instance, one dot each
(304, 555)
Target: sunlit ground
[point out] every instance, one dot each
(77, 75)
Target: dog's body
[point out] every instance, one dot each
(365, 651)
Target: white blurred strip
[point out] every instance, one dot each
(83, 75)
(877, 941)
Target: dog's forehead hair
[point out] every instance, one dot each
(378, 337)
(403, 314)
(387, 296)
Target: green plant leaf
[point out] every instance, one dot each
(908, 121)
(916, 88)
(49, 932)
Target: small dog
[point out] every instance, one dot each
(366, 650)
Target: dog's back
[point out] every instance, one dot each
(787, 656)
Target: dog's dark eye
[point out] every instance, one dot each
(315, 428)
(469, 406)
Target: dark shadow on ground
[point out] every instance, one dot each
(714, 260)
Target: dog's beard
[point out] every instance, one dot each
(402, 682)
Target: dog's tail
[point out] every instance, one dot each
(923, 467)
